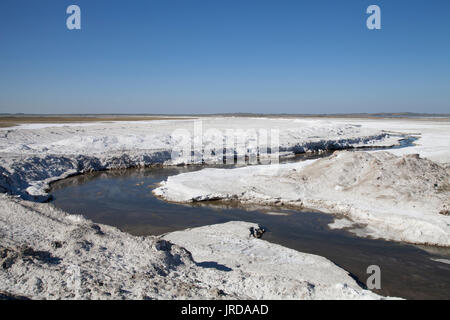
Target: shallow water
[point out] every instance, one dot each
(123, 198)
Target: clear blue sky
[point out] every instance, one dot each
(210, 56)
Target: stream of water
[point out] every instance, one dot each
(124, 199)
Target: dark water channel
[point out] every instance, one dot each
(123, 198)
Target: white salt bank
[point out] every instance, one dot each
(399, 198)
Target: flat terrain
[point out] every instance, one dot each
(43, 246)
(12, 121)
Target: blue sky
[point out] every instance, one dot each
(211, 56)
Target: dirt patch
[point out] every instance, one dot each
(9, 256)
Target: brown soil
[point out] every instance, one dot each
(10, 121)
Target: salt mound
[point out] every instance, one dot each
(48, 254)
(399, 198)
